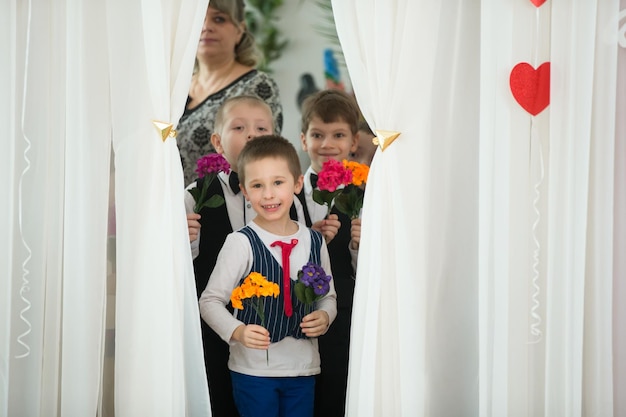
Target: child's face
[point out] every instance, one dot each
(242, 122)
(365, 149)
(324, 141)
(270, 188)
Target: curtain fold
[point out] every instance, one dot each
(619, 262)
(412, 312)
(579, 368)
(535, 194)
(8, 118)
(72, 95)
(86, 173)
(36, 213)
(158, 356)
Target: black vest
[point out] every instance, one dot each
(340, 258)
(278, 324)
(341, 262)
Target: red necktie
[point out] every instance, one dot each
(286, 250)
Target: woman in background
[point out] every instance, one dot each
(225, 67)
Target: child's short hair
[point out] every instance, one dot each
(364, 127)
(232, 101)
(268, 146)
(331, 106)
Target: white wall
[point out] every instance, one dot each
(305, 53)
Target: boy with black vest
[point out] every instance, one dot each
(330, 120)
(239, 120)
(272, 372)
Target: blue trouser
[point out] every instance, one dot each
(273, 396)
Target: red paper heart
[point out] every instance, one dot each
(530, 87)
(537, 3)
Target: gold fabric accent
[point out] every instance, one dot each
(384, 138)
(165, 129)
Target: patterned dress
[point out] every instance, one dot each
(196, 125)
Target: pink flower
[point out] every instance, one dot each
(333, 175)
(208, 167)
(212, 164)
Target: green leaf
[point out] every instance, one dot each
(350, 201)
(324, 197)
(310, 295)
(215, 201)
(299, 289)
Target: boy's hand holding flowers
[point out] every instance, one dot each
(315, 324)
(208, 168)
(313, 284)
(253, 287)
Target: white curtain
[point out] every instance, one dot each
(82, 79)
(493, 285)
(619, 269)
(414, 66)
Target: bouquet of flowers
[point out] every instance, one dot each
(350, 201)
(253, 287)
(342, 183)
(208, 168)
(330, 180)
(313, 284)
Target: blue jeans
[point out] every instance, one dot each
(273, 396)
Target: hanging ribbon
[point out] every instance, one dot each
(25, 286)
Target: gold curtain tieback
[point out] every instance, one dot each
(384, 138)
(165, 129)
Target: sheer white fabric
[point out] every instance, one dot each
(498, 235)
(83, 78)
(414, 342)
(158, 353)
(619, 271)
(530, 313)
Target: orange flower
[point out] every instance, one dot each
(254, 285)
(235, 298)
(359, 171)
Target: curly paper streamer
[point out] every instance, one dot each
(621, 39)
(25, 287)
(535, 326)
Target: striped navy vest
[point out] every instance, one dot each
(276, 322)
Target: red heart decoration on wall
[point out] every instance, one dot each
(531, 87)
(537, 3)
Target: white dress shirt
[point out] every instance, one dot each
(289, 356)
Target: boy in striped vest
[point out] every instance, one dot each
(272, 366)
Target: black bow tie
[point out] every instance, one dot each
(233, 181)
(313, 179)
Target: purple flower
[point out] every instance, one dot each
(309, 274)
(313, 284)
(321, 287)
